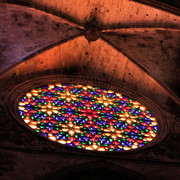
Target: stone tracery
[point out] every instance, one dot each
(88, 117)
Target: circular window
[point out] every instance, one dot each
(88, 117)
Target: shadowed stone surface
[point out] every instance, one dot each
(172, 6)
(106, 14)
(24, 31)
(157, 50)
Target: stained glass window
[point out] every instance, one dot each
(87, 117)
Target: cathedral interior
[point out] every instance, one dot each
(128, 46)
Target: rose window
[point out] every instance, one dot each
(87, 117)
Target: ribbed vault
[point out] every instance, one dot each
(138, 29)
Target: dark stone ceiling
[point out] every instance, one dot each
(141, 29)
(172, 6)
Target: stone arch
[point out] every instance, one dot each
(99, 170)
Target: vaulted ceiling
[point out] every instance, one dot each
(138, 44)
